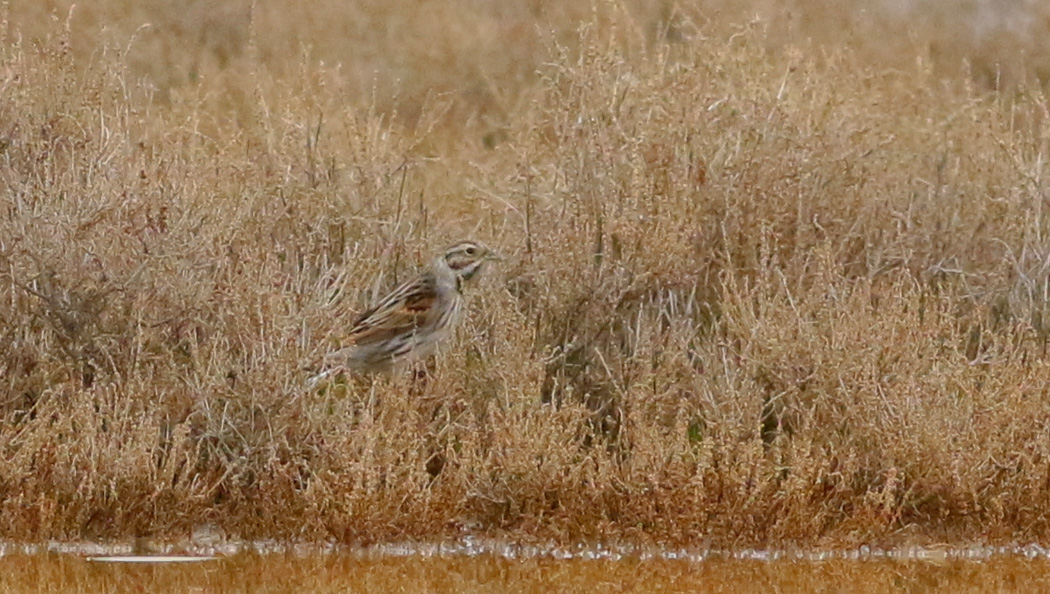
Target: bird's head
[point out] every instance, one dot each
(466, 258)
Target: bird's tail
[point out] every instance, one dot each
(318, 378)
(319, 371)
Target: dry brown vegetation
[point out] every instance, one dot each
(761, 283)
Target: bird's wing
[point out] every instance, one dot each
(402, 311)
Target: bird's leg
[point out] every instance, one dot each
(370, 406)
(421, 373)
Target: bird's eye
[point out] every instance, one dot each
(472, 250)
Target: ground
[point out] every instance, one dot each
(771, 273)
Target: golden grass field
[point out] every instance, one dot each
(774, 272)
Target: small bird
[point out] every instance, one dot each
(408, 323)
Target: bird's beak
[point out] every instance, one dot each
(494, 256)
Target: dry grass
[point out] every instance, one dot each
(759, 286)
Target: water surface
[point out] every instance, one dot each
(473, 567)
